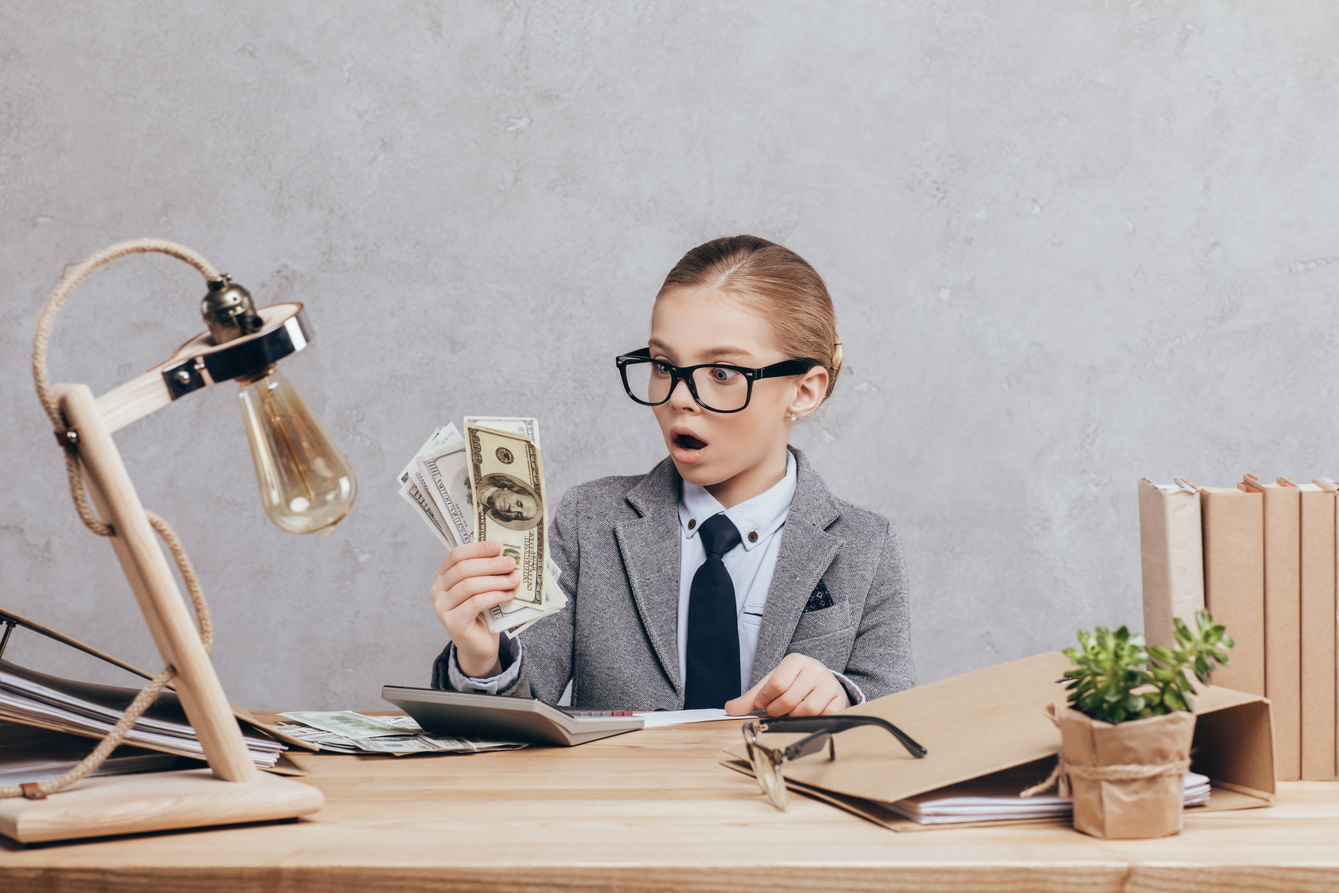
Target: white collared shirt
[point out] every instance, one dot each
(750, 564)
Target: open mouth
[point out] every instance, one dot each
(688, 442)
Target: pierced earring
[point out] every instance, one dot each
(792, 416)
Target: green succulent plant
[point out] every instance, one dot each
(1117, 677)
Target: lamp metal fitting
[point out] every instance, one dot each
(229, 311)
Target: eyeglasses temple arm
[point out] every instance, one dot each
(642, 353)
(915, 748)
(808, 744)
(833, 724)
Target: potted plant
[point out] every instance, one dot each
(1127, 727)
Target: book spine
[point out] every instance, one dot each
(1234, 581)
(1318, 635)
(1283, 620)
(1172, 558)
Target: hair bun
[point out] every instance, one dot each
(837, 356)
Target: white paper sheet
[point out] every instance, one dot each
(995, 798)
(654, 719)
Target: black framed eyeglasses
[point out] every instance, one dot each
(718, 387)
(767, 761)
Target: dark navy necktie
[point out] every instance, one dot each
(712, 673)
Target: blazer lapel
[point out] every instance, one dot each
(650, 549)
(807, 550)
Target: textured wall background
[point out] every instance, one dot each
(1070, 245)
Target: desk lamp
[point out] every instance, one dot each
(306, 487)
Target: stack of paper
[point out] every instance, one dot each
(88, 709)
(994, 798)
(29, 754)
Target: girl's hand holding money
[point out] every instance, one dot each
(473, 578)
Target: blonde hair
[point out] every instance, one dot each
(774, 282)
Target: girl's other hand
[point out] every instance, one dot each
(473, 578)
(799, 686)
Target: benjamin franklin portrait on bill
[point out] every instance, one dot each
(509, 501)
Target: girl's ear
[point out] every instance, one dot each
(810, 388)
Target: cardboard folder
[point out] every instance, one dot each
(994, 719)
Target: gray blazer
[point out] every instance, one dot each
(839, 594)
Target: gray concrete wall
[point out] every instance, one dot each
(1070, 244)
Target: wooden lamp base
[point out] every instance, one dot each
(155, 801)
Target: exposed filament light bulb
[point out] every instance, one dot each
(305, 483)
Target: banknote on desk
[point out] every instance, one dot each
(344, 731)
(441, 480)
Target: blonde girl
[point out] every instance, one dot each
(728, 576)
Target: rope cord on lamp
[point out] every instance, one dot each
(69, 440)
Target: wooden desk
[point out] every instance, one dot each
(654, 810)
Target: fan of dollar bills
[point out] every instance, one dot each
(489, 485)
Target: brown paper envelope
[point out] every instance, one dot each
(1221, 800)
(995, 718)
(880, 814)
(1234, 743)
(972, 725)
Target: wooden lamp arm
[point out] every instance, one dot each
(160, 601)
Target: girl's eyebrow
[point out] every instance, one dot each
(711, 353)
(716, 353)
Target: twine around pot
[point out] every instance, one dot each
(1059, 777)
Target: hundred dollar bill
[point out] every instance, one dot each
(517, 630)
(430, 744)
(507, 480)
(445, 468)
(414, 489)
(527, 428)
(403, 744)
(410, 739)
(344, 723)
(437, 483)
(416, 497)
(513, 617)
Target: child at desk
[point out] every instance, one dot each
(729, 575)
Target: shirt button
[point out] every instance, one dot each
(753, 536)
(692, 523)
